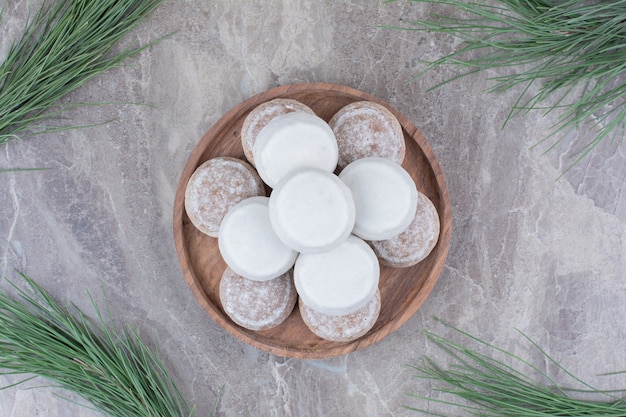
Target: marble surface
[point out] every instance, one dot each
(529, 251)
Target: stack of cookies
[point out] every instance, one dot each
(340, 205)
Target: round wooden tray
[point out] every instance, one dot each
(402, 290)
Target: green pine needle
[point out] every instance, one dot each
(492, 388)
(573, 52)
(65, 44)
(113, 370)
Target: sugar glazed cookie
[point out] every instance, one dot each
(312, 211)
(292, 141)
(216, 186)
(261, 116)
(342, 328)
(257, 305)
(339, 281)
(416, 242)
(364, 129)
(384, 195)
(249, 245)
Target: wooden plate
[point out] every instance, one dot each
(402, 290)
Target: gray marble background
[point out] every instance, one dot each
(528, 251)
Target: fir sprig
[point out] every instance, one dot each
(63, 45)
(565, 54)
(115, 371)
(488, 387)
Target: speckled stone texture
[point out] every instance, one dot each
(528, 251)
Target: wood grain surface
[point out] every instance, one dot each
(402, 291)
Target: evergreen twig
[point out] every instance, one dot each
(65, 44)
(564, 54)
(113, 370)
(487, 387)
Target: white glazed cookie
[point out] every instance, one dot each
(312, 210)
(257, 305)
(249, 245)
(339, 281)
(261, 115)
(416, 242)
(364, 129)
(216, 186)
(384, 194)
(293, 141)
(342, 328)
